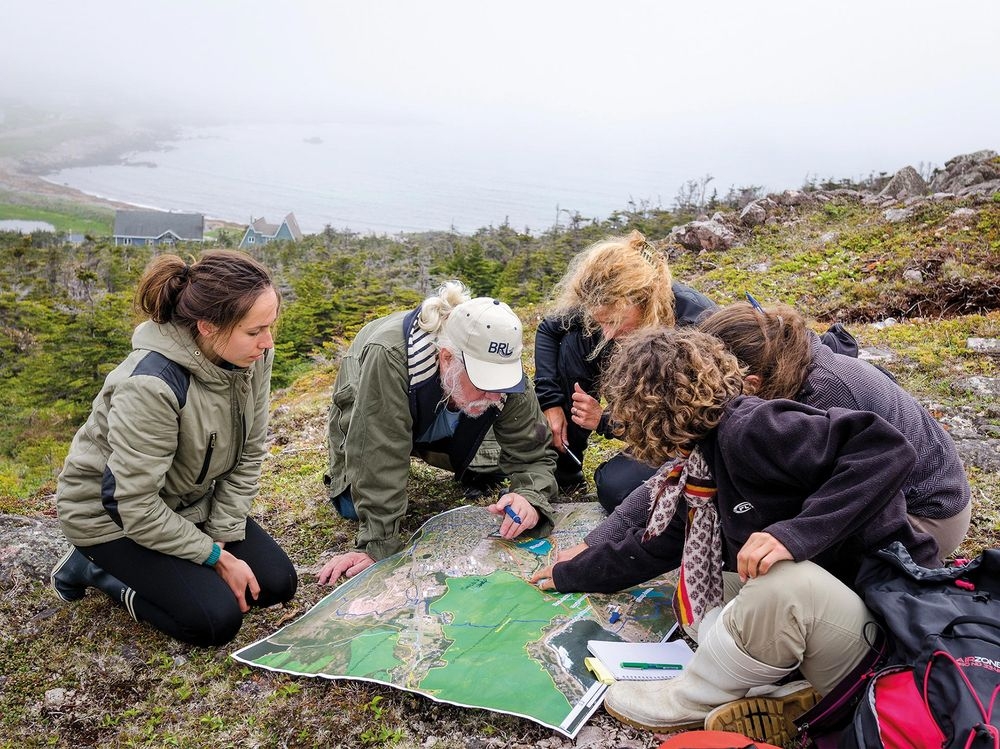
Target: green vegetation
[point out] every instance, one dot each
(86, 675)
(65, 217)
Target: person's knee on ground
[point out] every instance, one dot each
(477, 484)
(795, 612)
(569, 473)
(206, 623)
(618, 477)
(278, 583)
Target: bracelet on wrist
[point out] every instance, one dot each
(214, 556)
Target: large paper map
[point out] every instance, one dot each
(453, 617)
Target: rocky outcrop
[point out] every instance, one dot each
(971, 173)
(906, 183)
(704, 235)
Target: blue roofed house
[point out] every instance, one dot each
(260, 232)
(158, 227)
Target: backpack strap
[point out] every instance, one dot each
(959, 620)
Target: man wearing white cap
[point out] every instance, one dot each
(432, 383)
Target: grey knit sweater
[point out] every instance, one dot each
(937, 487)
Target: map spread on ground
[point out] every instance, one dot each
(453, 617)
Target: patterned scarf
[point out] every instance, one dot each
(700, 587)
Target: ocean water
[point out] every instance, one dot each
(387, 178)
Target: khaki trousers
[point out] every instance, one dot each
(800, 614)
(948, 532)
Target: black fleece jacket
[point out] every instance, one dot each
(826, 484)
(564, 352)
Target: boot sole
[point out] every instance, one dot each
(767, 719)
(693, 726)
(76, 593)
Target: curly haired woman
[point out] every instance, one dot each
(786, 496)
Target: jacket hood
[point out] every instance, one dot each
(176, 344)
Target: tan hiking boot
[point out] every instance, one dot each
(767, 717)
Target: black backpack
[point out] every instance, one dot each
(937, 683)
(945, 630)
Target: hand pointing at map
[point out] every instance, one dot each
(543, 577)
(347, 565)
(516, 513)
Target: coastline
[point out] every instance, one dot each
(31, 151)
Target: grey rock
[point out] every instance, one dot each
(966, 171)
(976, 385)
(913, 275)
(886, 323)
(29, 549)
(906, 183)
(753, 215)
(895, 215)
(984, 345)
(983, 454)
(703, 235)
(58, 698)
(590, 736)
(828, 237)
(875, 354)
(963, 214)
(987, 187)
(794, 197)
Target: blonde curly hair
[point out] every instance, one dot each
(615, 274)
(666, 389)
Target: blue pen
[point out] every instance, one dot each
(753, 302)
(512, 515)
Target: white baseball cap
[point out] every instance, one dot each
(488, 334)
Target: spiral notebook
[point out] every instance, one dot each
(650, 660)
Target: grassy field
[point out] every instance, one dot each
(84, 674)
(66, 217)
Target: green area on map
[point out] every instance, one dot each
(454, 617)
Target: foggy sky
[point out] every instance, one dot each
(877, 83)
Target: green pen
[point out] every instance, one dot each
(660, 666)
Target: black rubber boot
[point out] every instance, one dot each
(74, 573)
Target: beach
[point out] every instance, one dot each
(36, 144)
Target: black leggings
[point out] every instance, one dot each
(189, 601)
(618, 477)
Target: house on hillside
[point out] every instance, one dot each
(260, 232)
(158, 227)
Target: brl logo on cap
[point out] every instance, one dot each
(500, 347)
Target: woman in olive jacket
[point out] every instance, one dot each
(157, 487)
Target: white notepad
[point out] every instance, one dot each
(614, 654)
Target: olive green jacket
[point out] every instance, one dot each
(372, 434)
(171, 454)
